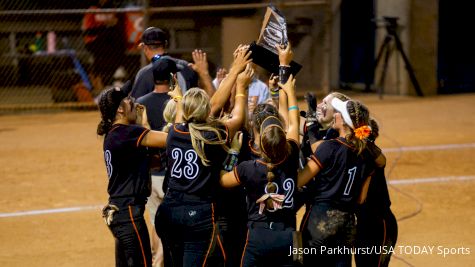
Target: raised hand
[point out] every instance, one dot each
(285, 54)
(241, 59)
(236, 143)
(289, 86)
(245, 77)
(273, 82)
(176, 93)
(200, 60)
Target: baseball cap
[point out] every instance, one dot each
(154, 36)
(341, 106)
(162, 68)
(109, 101)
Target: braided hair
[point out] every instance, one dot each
(359, 115)
(109, 102)
(374, 130)
(274, 150)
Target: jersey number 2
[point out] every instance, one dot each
(190, 170)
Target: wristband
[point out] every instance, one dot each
(176, 98)
(274, 93)
(284, 73)
(231, 161)
(237, 95)
(293, 108)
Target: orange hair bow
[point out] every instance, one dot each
(362, 132)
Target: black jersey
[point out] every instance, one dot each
(378, 200)
(127, 165)
(252, 174)
(186, 172)
(342, 173)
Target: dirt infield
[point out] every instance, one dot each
(52, 164)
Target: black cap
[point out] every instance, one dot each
(109, 101)
(154, 36)
(162, 68)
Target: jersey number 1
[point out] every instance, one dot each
(349, 184)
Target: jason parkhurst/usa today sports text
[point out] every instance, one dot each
(414, 250)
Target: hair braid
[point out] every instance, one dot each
(360, 117)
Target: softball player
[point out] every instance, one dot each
(317, 127)
(377, 225)
(185, 221)
(270, 183)
(127, 168)
(342, 173)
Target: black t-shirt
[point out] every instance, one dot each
(186, 171)
(144, 82)
(155, 104)
(252, 174)
(378, 200)
(127, 165)
(342, 173)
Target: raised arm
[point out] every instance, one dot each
(219, 99)
(293, 110)
(285, 57)
(240, 102)
(200, 65)
(283, 108)
(228, 177)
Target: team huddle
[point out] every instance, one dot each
(223, 178)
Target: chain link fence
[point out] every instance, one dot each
(61, 54)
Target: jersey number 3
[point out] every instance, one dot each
(108, 159)
(190, 168)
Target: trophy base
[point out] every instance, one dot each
(269, 60)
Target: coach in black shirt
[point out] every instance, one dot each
(154, 44)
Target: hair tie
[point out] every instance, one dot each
(362, 132)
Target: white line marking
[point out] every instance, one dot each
(38, 212)
(428, 148)
(98, 207)
(431, 180)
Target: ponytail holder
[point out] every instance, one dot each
(362, 132)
